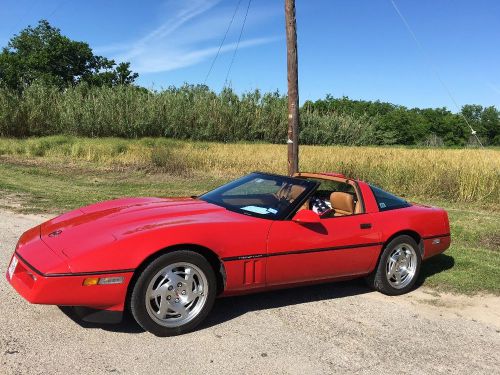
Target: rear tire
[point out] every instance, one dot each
(174, 293)
(398, 267)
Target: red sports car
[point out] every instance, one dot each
(168, 259)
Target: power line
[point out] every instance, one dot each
(58, 6)
(434, 68)
(30, 9)
(238, 43)
(25, 14)
(222, 42)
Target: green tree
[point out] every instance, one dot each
(43, 54)
(490, 119)
(401, 126)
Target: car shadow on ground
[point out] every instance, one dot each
(229, 308)
(127, 325)
(434, 265)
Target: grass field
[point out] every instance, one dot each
(59, 173)
(458, 175)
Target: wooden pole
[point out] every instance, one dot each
(293, 88)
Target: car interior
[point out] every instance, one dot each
(334, 197)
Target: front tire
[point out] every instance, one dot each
(174, 293)
(398, 267)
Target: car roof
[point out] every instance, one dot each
(334, 175)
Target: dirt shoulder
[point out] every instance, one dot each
(484, 308)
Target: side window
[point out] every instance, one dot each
(387, 201)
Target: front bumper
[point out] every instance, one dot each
(68, 289)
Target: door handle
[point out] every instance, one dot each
(365, 226)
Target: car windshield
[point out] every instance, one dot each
(261, 195)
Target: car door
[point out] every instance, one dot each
(335, 247)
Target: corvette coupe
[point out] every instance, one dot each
(166, 260)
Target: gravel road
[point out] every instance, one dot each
(335, 328)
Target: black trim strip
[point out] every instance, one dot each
(89, 273)
(71, 274)
(436, 236)
(306, 251)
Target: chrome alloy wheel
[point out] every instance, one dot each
(176, 294)
(401, 266)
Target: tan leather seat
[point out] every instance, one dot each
(342, 203)
(357, 208)
(295, 191)
(289, 192)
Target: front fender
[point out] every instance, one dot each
(131, 248)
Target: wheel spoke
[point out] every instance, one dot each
(195, 294)
(398, 277)
(190, 295)
(179, 309)
(155, 293)
(164, 305)
(392, 270)
(175, 279)
(189, 276)
(163, 280)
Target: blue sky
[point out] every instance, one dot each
(356, 48)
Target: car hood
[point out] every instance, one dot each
(102, 223)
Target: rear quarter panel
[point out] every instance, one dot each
(430, 223)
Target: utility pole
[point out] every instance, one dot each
(293, 88)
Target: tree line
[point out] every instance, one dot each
(396, 124)
(50, 84)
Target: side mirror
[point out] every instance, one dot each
(306, 217)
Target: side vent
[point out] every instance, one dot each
(253, 272)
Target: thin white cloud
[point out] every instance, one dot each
(171, 60)
(190, 34)
(494, 87)
(181, 15)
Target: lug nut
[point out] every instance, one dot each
(179, 285)
(169, 298)
(170, 287)
(183, 292)
(177, 300)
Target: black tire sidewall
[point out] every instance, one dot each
(379, 279)
(137, 298)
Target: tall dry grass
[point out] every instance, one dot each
(461, 175)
